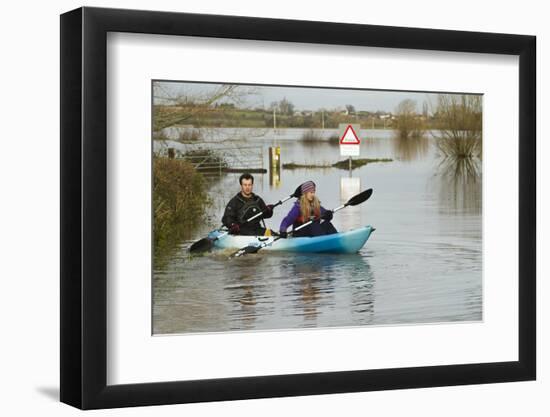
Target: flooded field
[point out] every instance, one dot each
(423, 264)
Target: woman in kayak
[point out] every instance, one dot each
(307, 208)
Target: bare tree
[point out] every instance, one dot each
(181, 104)
(425, 110)
(170, 109)
(286, 107)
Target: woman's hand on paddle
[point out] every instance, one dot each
(327, 215)
(283, 235)
(234, 229)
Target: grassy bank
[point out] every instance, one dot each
(344, 164)
(293, 165)
(357, 163)
(179, 200)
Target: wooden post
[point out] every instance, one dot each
(275, 166)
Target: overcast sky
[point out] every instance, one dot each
(309, 98)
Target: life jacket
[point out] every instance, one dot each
(300, 220)
(249, 209)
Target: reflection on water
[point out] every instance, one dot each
(273, 291)
(460, 185)
(410, 148)
(423, 264)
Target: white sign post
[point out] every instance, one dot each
(349, 146)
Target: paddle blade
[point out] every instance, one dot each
(359, 198)
(297, 192)
(202, 245)
(245, 251)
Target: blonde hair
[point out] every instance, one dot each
(306, 207)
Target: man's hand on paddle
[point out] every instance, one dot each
(234, 229)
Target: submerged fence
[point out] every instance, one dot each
(217, 160)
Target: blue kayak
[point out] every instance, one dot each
(345, 242)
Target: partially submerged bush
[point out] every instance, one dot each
(334, 140)
(188, 135)
(459, 121)
(160, 135)
(408, 123)
(459, 147)
(311, 137)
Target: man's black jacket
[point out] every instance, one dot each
(240, 208)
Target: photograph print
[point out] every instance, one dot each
(291, 207)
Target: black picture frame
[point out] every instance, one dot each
(84, 207)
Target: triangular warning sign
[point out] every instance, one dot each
(349, 137)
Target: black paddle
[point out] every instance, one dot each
(353, 201)
(206, 243)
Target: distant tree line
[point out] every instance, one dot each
(226, 107)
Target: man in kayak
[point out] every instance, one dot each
(307, 208)
(243, 206)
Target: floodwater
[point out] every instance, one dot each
(423, 264)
